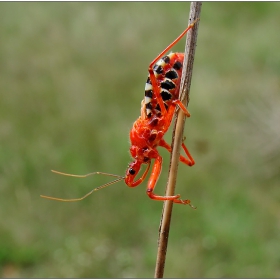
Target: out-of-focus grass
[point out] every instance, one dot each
(72, 77)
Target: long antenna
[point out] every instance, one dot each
(120, 178)
(86, 175)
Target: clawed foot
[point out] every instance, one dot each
(185, 202)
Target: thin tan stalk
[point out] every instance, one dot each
(177, 137)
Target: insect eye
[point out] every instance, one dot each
(131, 171)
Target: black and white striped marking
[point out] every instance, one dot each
(165, 86)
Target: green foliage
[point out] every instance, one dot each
(72, 78)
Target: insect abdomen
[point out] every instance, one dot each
(168, 71)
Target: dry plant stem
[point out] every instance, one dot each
(177, 139)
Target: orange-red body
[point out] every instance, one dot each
(158, 106)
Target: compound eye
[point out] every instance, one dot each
(131, 171)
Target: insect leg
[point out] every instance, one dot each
(188, 154)
(156, 90)
(153, 180)
(188, 161)
(152, 183)
(182, 107)
(173, 43)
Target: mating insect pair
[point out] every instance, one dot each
(157, 110)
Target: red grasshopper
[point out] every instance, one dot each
(157, 110)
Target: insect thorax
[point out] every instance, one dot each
(168, 72)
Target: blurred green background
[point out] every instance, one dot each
(72, 77)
